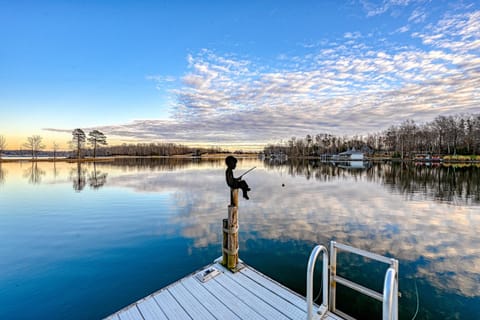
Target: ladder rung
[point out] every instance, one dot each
(359, 288)
(364, 253)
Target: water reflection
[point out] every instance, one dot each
(456, 185)
(33, 173)
(55, 171)
(78, 177)
(437, 239)
(3, 174)
(163, 164)
(353, 164)
(97, 179)
(427, 217)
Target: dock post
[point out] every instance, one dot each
(225, 242)
(230, 233)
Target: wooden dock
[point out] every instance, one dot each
(216, 293)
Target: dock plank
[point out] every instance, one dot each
(209, 301)
(193, 307)
(170, 306)
(276, 287)
(151, 310)
(247, 294)
(286, 308)
(331, 316)
(252, 300)
(131, 313)
(244, 311)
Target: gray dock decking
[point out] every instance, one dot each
(247, 294)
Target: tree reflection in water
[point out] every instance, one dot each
(34, 173)
(78, 177)
(97, 179)
(55, 171)
(3, 174)
(456, 184)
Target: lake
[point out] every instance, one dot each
(80, 241)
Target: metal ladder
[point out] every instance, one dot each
(389, 297)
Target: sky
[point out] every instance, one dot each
(234, 74)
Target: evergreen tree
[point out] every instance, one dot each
(3, 145)
(96, 138)
(78, 140)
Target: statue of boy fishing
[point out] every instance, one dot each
(236, 183)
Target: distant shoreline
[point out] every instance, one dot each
(113, 158)
(215, 156)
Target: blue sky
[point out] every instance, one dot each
(233, 73)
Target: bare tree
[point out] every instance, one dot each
(96, 138)
(78, 140)
(3, 145)
(34, 144)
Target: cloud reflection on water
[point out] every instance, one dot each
(413, 214)
(349, 208)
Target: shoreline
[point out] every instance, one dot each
(113, 158)
(221, 156)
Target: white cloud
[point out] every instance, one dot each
(458, 33)
(375, 8)
(417, 16)
(163, 82)
(403, 29)
(336, 88)
(352, 35)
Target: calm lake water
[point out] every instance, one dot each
(82, 241)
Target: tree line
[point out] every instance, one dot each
(98, 143)
(445, 135)
(35, 145)
(95, 144)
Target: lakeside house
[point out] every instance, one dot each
(349, 155)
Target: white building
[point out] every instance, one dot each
(350, 155)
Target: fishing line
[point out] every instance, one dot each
(418, 300)
(319, 291)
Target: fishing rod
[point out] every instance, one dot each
(246, 172)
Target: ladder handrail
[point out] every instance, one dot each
(310, 268)
(390, 295)
(389, 298)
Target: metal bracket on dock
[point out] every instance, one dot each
(207, 274)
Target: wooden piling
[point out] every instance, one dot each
(232, 237)
(234, 197)
(230, 233)
(225, 242)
